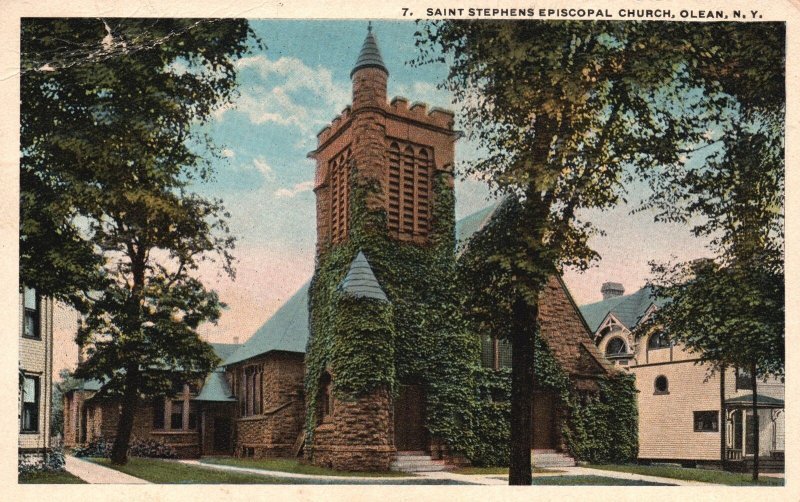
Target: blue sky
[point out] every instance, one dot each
(287, 94)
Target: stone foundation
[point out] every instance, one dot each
(359, 436)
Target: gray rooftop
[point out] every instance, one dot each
(370, 56)
(628, 309)
(216, 389)
(286, 330)
(360, 281)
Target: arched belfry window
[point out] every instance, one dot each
(408, 190)
(339, 167)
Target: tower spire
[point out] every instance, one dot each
(370, 55)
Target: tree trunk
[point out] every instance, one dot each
(127, 413)
(723, 420)
(524, 318)
(756, 446)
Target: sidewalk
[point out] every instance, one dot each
(347, 480)
(97, 474)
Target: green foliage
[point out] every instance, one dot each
(109, 109)
(146, 448)
(730, 315)
(53, 462)
(419, 334)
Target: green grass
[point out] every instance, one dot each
(687, 474)
(170, 472)
(50, 477)
(591, 480)
(294, 466)
(474, 471)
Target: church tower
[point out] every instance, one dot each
(385, 216)
(398, 147)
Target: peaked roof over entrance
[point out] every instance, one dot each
(370, 56)
(360, 281)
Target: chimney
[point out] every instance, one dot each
(612, 290)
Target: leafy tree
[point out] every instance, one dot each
(730, 309)
(109, 109)
(567, 113)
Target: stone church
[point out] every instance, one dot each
(368, 366)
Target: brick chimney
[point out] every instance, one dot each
(612, 290)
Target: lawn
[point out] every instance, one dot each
(166, 471)
(50, 477)
(687, 474)
(173, 472)
(294, 466)
(591, 480)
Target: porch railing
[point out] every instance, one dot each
(734, 454)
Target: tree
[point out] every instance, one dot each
(730, 309)
(561, 109)
(567, 112)
(108, 115)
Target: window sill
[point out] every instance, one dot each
(29, 433)
(167, 432)
(661, 393)
(36, 338)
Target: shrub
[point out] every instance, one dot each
(99, 447)
(53, 461)
(149, 448)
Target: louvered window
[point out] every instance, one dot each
(339, 168)
(408, 190)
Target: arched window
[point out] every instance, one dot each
(658, 340)
(661, 385)
(616, 347)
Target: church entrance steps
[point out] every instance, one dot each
(416, 461)
(551, 458)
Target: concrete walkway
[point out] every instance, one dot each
(410, 479)
(447, 477)
(97, 474)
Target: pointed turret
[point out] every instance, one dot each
(369, 76)
(360, 281)
(370, 56)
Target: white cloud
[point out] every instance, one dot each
(228, 153)
(288, 193)
(260, 163)
(273, 97)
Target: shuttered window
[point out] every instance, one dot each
(408, 190)
(339, 167)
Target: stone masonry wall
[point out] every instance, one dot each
(274, 432)
(359, 436)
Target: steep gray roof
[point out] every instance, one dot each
(370, 56)
(216, 389)
(286, 330)
(225, 350)
(360, 281)
(628, 309)
(468, 225)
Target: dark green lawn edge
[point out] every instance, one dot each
(689, 474)
(591, 480)
(49, 478)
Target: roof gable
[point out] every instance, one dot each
(286, 330)
(628, 310)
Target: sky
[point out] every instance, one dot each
(287, 94)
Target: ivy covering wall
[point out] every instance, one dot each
(421, 336)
